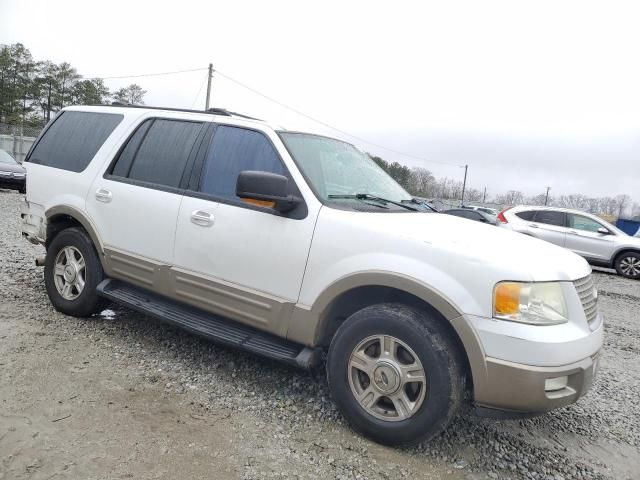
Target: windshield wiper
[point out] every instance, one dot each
(422, 204)
(367, 196)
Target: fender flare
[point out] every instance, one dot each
(307, 324)
(82, 219)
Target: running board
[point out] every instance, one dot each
(209, 325)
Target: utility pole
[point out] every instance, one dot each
(546, 198)
(464, 184)
(206, 106)
(484, 195)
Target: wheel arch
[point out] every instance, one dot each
(317, 325)
(621, 252)
(62, 217)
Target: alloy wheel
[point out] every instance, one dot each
(630, 266)
(387, 378)
(69, 273)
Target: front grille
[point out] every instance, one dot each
(588, 297)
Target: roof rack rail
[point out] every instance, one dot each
(212, 111)
(224, 111)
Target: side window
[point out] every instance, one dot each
(123, 165)
(73, 139)
(550, 217)
(580, 222)
(158, 152)
(528, 215)
(233, 150)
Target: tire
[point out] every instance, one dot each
(628, 265)
(429, 341)
(79, 303)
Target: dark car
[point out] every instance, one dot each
(476, 215)
(12, 174)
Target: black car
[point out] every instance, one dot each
(12, 174)
(476, 215)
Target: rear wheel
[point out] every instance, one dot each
(395, 374)
(72, 272)
(628, 265)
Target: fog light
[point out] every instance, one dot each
(555, 384)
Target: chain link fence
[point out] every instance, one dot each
(17, 139)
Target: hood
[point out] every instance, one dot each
(482, 247)
(13, 168)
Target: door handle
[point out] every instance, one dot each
(572, 232)
(103, 195)
(533, 225)
(201, 218)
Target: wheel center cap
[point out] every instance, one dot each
(386, 378)
(69, 273)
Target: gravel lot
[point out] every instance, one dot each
(122, 396)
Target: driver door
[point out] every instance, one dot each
(238, 259)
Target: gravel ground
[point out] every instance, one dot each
(122, 396)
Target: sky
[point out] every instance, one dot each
(529, 94)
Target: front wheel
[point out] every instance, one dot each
(72, 271)
(395, 374)
(628, 265)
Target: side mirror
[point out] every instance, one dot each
(265, 189)
(604, 231)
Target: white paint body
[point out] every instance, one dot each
(296, 260)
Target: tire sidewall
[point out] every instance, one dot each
(402, 323)
(85, 304)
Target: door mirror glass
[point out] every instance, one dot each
(265, 189)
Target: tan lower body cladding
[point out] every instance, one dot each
(249, 307)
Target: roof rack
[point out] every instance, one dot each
(212, 111)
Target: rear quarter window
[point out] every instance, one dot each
(73, 139)
(526, 215)
(550, 217)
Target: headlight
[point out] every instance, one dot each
(533, 303)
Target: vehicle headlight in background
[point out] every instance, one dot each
(533, 303)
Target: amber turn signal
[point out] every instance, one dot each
(507, 298)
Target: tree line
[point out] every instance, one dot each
(420, 182)
(31, 90)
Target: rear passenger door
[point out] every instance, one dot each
(239, 259)
(549, 225)
(135, 202)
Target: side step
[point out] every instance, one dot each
(209, 325)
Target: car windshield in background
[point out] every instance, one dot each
(6, 159)
(339, 172)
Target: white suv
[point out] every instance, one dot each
(293, 245)
(599, 242)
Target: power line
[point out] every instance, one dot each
(195, 100)
(144, 74)
(325, 124)
(271, 99)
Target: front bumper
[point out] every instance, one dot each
(510, 363)
(13, 183)
(512, 389)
